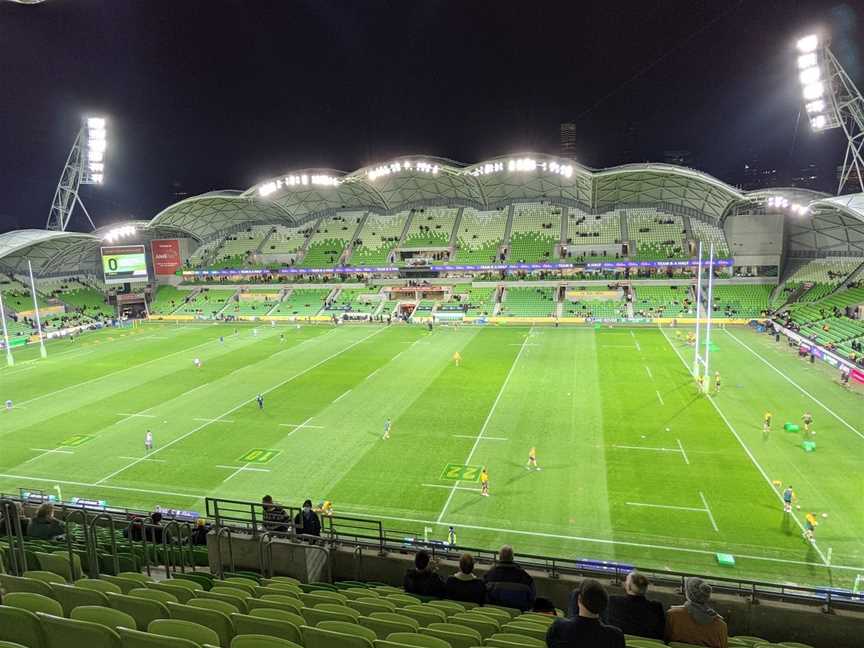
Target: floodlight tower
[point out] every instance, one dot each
(832, 101)
(84, 166)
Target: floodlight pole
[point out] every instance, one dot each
(66, 195)
(42, 350)
(9, 359)
(848, 107)
(698, 306)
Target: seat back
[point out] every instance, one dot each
(142, 610)
(312, 599)
(314, 616)
(137, 639)
(20, 626)
(69, 633)
(534, 630)
(33, 603)
(366, 606)
(236, 601)
(401, 599)
(125, 584)
(275, 602)
(339, 609)
(513, 638)
(279, 615)
(98, 585)
(246, 624)
(59, 563)
(449, 607)
(359, 593)
(106, 616)
(245, 584)
(216, 621)
(44, 576)
(454, 639)
(182, 594)
(417, 639)
(457, 628)
(262, 641)
(485, 625)
(182, 629)
(320, 638)
(153, 595)
(11, 583)
(423, 614)
(212, 604)
(70, 597)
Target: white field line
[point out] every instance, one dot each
(463, 488)
(207, 420)
(744, 446)
(519, 345)
(629, 447)
(616, 346)
(342, 396)
(242, 403)
(46, 451)
(373, 373)
(238, 469)
(396, 356)
(799, 387)
(684, 454)
(145, 459)
(486, 422)
(302, 425)
(668, 506)
(137, 414)
(118, 488)
(635, 341)
(659, 397)
(648, 369)
(485, 438)
(708, 511)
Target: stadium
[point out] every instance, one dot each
(639, 366)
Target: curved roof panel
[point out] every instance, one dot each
(206, 215)
(47, 250)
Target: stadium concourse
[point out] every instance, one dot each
(266, 341)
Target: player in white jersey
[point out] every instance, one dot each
(148, 441)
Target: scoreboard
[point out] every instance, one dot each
(124, 264)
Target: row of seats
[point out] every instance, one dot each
(477, 302)
(596, 229)
(747, 300)
(207, 303)
(480, 235)
(534, 233)
(378, 238)
(330, 238)
(708, 234)
(657, 235)
(303, 302)
(663, 301)
(528, 302)
(260, 302)
(430, 227)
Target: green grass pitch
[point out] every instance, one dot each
(635, 466)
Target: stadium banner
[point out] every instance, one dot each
(616, 265)
(166, 256)
(595, 295)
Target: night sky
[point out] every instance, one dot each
(220, 94)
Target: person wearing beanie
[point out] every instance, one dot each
(583, 627)
(696, 622)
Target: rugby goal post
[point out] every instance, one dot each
(704, 314)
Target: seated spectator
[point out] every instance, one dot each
(543, 605)
(633, 613)
(420, 579)
(153, 531)
(464, 584)
(508, 584)
(695, 622)
(275, 517)
(199, 533)
(45, 526)
(306, 521)
(9, 529)
(583, 626)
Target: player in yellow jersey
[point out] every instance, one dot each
(716, 382)
(457, 359)
(700, 384)
(532, 459)
(808, 422)
(326, 508)
(766, 424)
(810, 524)
(484, 482)
(691, 339)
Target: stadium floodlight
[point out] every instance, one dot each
(831, 100)
(84, 166)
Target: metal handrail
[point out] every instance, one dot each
(9, 510)
(89, 548)
(94, 564)
(220, 567)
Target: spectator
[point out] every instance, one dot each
(695, 622)
(543, 605)
(275, 517)
(199, 533)
(7, 528)
(154, 531)
(508, 584)
(306, 521)
(464, 584)
(633, 613)
(583, 626)
(45, 526)
(420, 579)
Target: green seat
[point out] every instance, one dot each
(182, 594)
(70, 597)
(212, 604)
(401, 599)
(288, 580)
(216, 621)
(246, 624)
(126, 585)
(511, 612)
(511, 638)
(153, 595)
(449, 607)
(499, 615)
(278, 602)
(11, 583)
(105, 616)
(320, 638)
(366, 606)
(236, 601)
(137, 639)
(137, 576)
(45, 576)
(486, 626)
(383, 628)
(192, 585)
(417, 639)
(314, 616)
(20, 626)
(276, 590)
(534, 630)
(359, 593)
(544, 619)
(261, 641)
(141, 609)
(65, 633)
(455, 639)
(278, 615)
(314, 598)
(197, 633)
(199, 578)
(240, 583)
(59, 564)
(423, 614)
(348, 628)
(10, 644)
(98, 585)
(33, 602)
(339, 609)
(232, 589)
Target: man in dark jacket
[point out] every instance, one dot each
(508, 584)
(421, 580)
(275, 517)
(583, 627)
(464, 584)
(306, 521)
(633, 613)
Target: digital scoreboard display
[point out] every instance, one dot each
(124, 263)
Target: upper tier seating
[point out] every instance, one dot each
(593, 229)
(236, 247)
(201, 255)
(658, 235)
(528, 302)
(430, 227)
(378, 238)
(480, 235)
(709, 233)
(285, 241)
(824, 275)
(330, 238)
(535, 233)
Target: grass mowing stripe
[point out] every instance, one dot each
(486, 422)
(799, 387)
(746, 449)
(245, 402)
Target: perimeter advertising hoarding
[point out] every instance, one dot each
(166, 256)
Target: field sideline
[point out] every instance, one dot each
(636, 467)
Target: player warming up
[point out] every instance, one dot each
(766, 424)
(532, 459)
(716, 382)
(197, 362)
(260, 399)
(788, 499)
(457, 359)
(148, 442)
(807, 419)
(810, 524)
(484, 482)
(386, 429)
